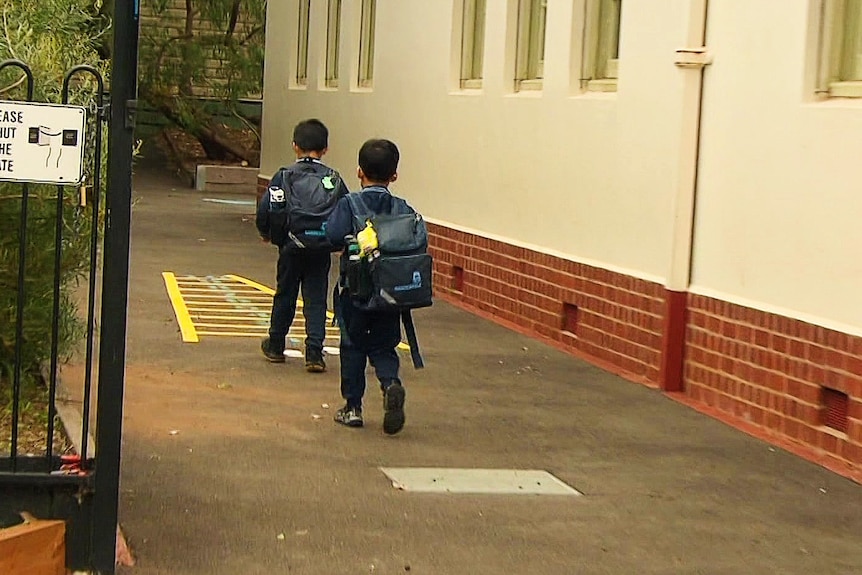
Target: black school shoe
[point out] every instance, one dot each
(271, 353)
(349, 416)
(393, 409)
(314, 361)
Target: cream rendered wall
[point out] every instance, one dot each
(780, 196)
(590, 177)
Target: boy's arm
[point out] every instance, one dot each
(339, 224)
(261, 220)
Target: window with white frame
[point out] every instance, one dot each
(530, 62)
(366, 43)
(472, 43)
(333, 40)
(841, 62)
(302, 43)
(602, 45)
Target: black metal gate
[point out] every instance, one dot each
(80, 487)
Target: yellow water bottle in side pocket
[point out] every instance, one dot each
(367, 239)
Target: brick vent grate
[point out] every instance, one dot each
(836, 408)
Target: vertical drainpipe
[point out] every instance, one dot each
(691, 60)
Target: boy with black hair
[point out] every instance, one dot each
(292, 215)
(368, 335)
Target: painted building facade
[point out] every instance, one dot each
(669, 189)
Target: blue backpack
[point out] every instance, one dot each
(301, 198)
(397, 276)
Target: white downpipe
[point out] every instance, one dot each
(679, 275)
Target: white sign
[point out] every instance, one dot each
(41, 143)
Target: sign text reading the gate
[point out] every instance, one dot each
(7, 135)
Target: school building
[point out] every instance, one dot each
(669, 189)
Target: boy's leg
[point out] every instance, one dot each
(315, 288)
(352, 361)
(283, 305)
(384, 336)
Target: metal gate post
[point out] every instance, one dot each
(115, 283)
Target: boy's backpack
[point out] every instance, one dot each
(397, 276)
(301, 198)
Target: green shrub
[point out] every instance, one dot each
(51, 36)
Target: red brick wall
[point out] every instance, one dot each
(771, 370)
(618, 318)
(753, 369)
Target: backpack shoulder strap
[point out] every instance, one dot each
(399, 207)
(359, 209)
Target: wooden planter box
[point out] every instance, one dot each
(34, 547)
(233, 179)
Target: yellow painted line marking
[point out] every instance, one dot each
(251, 283)
(259, 320)
(187, 327)
(216, 304)
(213, 295)
(230, 326)
(211, 291)
(232, 333)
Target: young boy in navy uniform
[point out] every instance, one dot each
(298, 265)
(368, 335)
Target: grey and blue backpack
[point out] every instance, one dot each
(301, 198)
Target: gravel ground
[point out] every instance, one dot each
(32, 424)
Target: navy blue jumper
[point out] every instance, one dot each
(365, 336)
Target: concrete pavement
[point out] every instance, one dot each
(226, 469)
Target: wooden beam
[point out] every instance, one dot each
(34, 547)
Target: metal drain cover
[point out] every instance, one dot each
(487, 481)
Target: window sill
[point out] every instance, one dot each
(532, 85)
(295, 86)
(602, 85)
(845, 90)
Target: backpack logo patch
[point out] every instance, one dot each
(276, 195)
(415, 284)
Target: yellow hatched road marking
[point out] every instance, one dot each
(199, 301)
(187, 327)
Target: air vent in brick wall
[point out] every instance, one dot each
(570, 318)
(458, 278)
(836, 407)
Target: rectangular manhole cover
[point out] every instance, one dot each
(490, 481)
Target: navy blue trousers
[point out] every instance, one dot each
(308, 271)
(366, 337)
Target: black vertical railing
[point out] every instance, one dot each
(98, 115)
(115, 282)
(22, 260)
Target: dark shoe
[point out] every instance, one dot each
(271, 352)
(349, 416)
(314, 361)
(393, 408)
